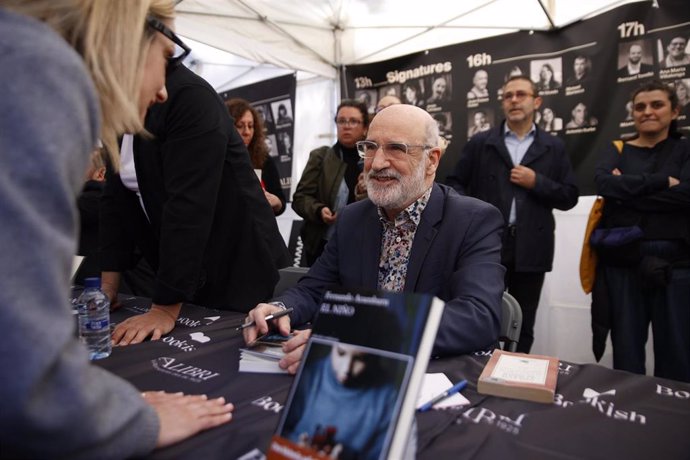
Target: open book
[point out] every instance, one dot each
(519, 376)
(355, 393)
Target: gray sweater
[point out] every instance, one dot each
(53, 402)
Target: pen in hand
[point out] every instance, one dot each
(458, 387)
(280, 314)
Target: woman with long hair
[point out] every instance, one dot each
(74, 71)
(251, 128)
(547, 80)
(644, 240)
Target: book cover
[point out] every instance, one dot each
(519, 376)
(355, 393)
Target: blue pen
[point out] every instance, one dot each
(458, 387)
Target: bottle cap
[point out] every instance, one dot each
(94, 282)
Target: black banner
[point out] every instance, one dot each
(274, 99)
(585, 74)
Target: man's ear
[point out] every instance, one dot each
(433, 160)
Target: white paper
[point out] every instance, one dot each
(521, 369)
(435, 384)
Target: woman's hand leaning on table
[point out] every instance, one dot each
(157, 322)
(182, 416)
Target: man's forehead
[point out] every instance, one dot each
(518, 84)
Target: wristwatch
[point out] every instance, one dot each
(278, 304)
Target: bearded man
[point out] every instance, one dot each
(409, 235)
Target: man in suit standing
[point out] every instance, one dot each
(524, 172)
(634, 66)
(410, 235)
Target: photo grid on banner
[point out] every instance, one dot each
(584, 74)
(274, 100)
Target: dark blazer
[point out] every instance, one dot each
(644, 68)
(483, 172)
(210, 235)
(455, 256)
(271, 179)
(317, 188)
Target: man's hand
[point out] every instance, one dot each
(523, 176)
(156, 322)
(672, 181)
(261, 326)
(327, 215)
(294, 349)
(183, 416)
(616, 172)
(273, 201)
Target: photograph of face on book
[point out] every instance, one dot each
(357, 394)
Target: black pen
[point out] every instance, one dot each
(281, 313)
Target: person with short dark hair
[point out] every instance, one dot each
(582, 67)
(330, 179)
(646, 184)
(526, 173)
(634, 64)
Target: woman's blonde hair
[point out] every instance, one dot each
(113, 40)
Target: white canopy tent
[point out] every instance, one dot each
(317, 36)
(237, 42)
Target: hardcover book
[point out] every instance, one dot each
(355, 393)
(519, 376)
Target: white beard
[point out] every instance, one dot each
(397, 194)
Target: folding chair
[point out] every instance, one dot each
(511, 323)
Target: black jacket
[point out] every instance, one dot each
(483, 172)
(210, 235)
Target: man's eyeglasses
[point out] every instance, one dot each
(392, 150)
(181, 49)
(347, 122)
(519, 95)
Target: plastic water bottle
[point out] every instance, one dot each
(94, 319)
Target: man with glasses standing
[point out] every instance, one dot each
(524, 172)
(329, 181)
(411, 235)
(188, 200)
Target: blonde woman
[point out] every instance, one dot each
(70, 71)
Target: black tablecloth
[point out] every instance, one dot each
(599, 413)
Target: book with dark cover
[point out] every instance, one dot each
(355, 393)
(519, 376)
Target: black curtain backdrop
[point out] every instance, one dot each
(460, 85)
(274, 99)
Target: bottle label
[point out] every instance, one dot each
(97, 324)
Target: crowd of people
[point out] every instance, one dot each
(182, 182)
